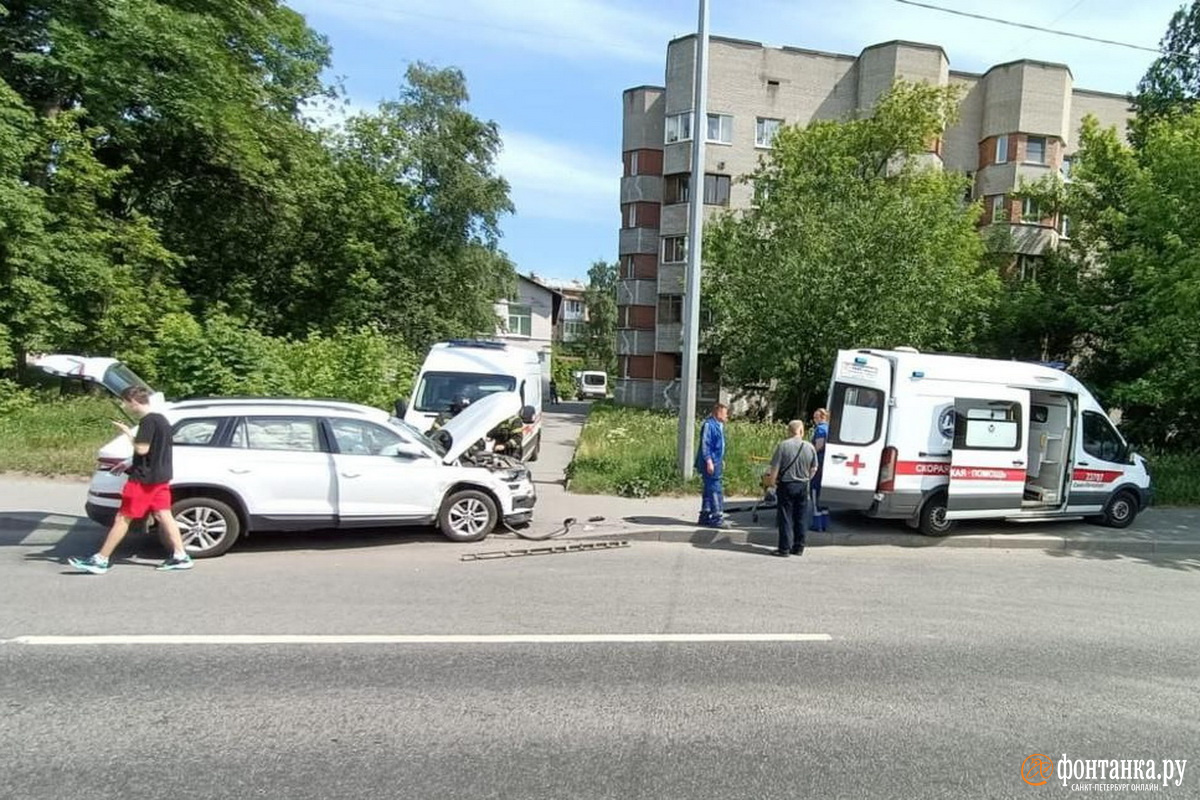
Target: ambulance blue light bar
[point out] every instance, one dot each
(918, 373)
(860, 360)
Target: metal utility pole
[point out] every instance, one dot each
(695, 237)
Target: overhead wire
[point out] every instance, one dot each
(1042, 29)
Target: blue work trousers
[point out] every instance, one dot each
(712, 501)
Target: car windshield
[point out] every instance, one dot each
(417, 435)
(439, 391)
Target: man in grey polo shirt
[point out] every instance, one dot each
(793, 465)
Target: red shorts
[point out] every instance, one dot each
(139, 499)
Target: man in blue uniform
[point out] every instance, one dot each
(710, 464)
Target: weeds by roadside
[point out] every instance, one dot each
(56, 436)
(631, 452)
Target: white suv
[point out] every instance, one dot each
(254, 464)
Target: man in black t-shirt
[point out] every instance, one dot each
(147, 490)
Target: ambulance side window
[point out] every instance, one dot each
(1100, 439)
(987, 425)
(856, 416)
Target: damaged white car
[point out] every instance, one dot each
(255, 464)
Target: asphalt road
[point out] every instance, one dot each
(942, 671)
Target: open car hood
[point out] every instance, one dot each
(110, 373)
(476, 420)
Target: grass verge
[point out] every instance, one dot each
(56, 437)
(1175, 478)
(631, 452)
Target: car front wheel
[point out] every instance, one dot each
(209, 527)
(467, 516)
(1120, 510)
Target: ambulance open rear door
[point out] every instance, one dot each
(858, 418)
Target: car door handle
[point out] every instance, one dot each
(237, 471)
(1082, 464)
(1018, 463)
(838, 457)
(350, 474)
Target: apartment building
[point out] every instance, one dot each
(1018, 121)
(571, 325)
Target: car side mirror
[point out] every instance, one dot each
(403, 450)
(528, 415)
(401, 408)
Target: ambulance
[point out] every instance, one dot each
(932, 439)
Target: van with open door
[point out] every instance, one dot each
(933, 438)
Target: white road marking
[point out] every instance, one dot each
(520, 638)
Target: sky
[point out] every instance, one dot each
(550, 73)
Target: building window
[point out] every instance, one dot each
(1065, 169)
(679, 127)
(765, 130)
(1001, 149)
(670, 308)
(999, 213)
(1064, 226)
(633, 163)
(1027, 267)
(1035, 149)
(575, 308)
(574, 330)
(674, 249)
(1030, 210)
(675, 189)
(716, 190)
(520, 319)
(631, 215)
(720, 128)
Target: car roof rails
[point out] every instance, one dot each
(486, 343)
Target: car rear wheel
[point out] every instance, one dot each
(209, 527)
(467, 516)
(932, 521)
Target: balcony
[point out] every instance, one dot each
(635, 343)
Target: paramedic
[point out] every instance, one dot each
(820, 516)
(793, 465)
(710, 463)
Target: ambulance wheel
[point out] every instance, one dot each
(932, 520)
(1120, 510)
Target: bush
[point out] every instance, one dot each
(222, 356)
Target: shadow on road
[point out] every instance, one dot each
(1181, 562)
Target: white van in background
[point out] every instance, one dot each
(591, 385)
(933, 438)
(462, 371)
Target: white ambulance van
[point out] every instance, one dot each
(461, 371)
(933, 438)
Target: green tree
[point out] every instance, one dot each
(600, 299)
(1172, 84)
(854, 240)
(1137, 214)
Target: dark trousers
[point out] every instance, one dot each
(791, 497)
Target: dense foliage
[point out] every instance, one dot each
(159, 173)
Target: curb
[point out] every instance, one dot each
(706, 538)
